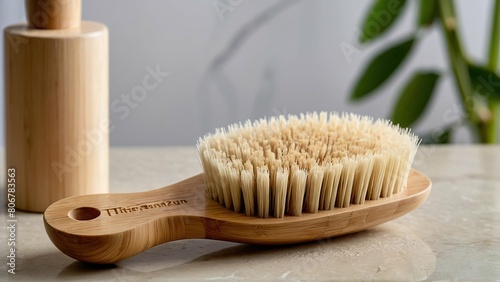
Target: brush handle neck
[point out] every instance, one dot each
(84, 227)
(54, 14)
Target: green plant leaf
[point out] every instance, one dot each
(485, 82)
(414, 98)
(438, 136)
(427, 12)
(380, 68)
(381, 15)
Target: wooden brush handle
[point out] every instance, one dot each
(106, 228)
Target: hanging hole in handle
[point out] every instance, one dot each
(84, 213)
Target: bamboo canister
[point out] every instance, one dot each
(57, 115)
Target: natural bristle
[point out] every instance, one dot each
(286, 166)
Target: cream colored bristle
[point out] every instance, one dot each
(362, 180)
(313, 189)
(346, 182)
(306, 163)
(263, 192)
(234, 185)
(377, 178)
(279, 191)
(298, 187)
(330, 186)
(248, 191)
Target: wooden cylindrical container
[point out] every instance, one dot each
(57, 115)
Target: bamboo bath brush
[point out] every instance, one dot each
(274, 181)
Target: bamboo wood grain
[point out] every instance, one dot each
(53, 14)
(107, 228)
(57, 124)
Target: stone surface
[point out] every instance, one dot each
(454, 235)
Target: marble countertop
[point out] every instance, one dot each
(454, 235)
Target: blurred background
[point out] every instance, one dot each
(224, 61)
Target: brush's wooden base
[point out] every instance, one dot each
(112, 227)
(57, 123)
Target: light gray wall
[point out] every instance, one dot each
(10, 12)
(231, 67)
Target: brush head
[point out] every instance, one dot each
(305, 163)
